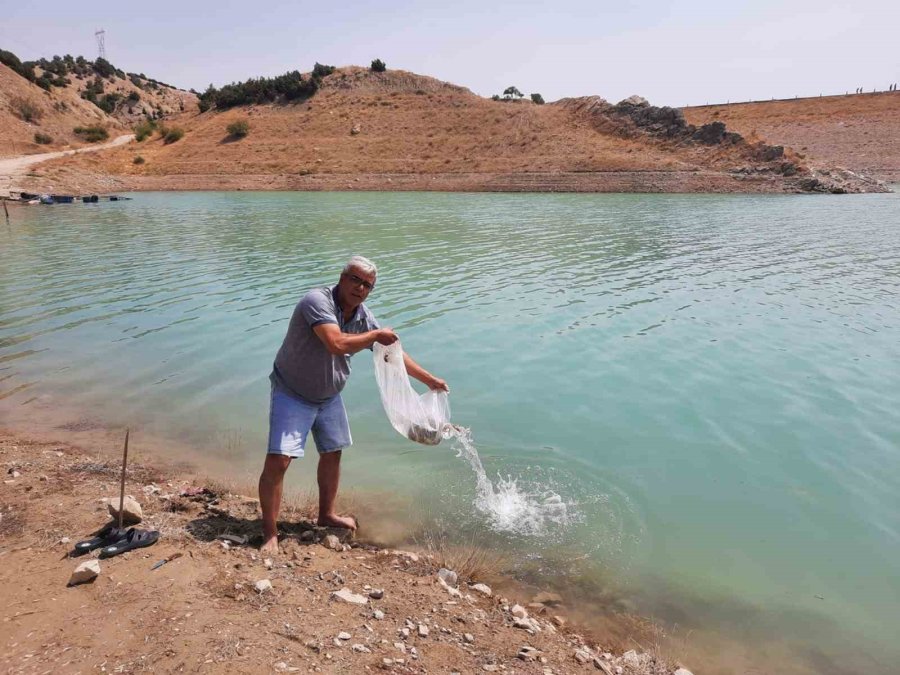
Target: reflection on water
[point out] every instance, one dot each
(709, 382)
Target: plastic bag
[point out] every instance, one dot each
(423, 419)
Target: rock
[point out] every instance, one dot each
(483, 589)
(376, 593)
(85, 572)
(490, 667)
(548, 599)
(268, 563)
(307, 535)
(600, 664)
(64, 540)
(447, 576)
(354, 130)
(378, 614)
(263, 586)
(772, 152)
(332, 542)
(526, 624)
(635, 100)
(235, 539)
(344, 635)
(454, 592)
(387, 663)
(710, 134)
(519, 611)
(683, 671)
(582, 655)
(528, 653)
(346, 595)
(468, 637)
(423, 630)
(558, 620)
(131, 510)
(362, 649)
(282, 667)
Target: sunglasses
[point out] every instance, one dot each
(356, 281)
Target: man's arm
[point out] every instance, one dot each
(339, 343)
(422, 375)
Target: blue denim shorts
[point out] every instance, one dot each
(291, 418)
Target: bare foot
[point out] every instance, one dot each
(347, 522)
(270, 546)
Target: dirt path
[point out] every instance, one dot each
(11, 169)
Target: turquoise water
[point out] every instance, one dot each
(709, 383)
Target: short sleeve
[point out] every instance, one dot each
(316, 309)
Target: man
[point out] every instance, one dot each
(328, 325)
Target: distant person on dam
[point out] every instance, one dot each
(311, 368)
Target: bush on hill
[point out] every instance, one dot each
(93, 133)
(538, 99)
(144, 130)
(291, 86)
(12, 61)
(172, 135)
(28, 111)
(138, 160)
(319, 71)
(378, 66)
(42, 139)
(238, 128)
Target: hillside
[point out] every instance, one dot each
(52, 98)
(399, 130)
(860, 131)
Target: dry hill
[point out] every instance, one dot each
(399, 130)
(75, 93)
(858, 131)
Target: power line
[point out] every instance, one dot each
(101, 43)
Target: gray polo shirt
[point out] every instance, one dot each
(303, 365)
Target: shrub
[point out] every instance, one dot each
(288, 87)
(538, 99)
(26, 109)
(108, 103)
(134, 97)
(238, 128)
(42, 139)
(93, 133)
(104, 68)
(12, 61)
(378, 66)
(138, 160)
(144, 130)
(320, 71)
(172, 135)
(495, 97)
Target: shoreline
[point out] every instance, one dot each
(53, 495)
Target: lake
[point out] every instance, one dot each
(704, 388)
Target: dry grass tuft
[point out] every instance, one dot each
(470, 561)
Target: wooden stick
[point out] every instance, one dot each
(122, 486)
(6, 211)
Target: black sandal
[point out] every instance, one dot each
(132, 540)
(107, 535)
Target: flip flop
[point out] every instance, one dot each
(106, 536)
(132, 540)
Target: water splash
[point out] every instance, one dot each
(508, 506)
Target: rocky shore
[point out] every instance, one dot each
(326, 603)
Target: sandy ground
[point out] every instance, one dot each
(202, 612)
(12, 170)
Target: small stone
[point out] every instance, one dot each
(346, 595)
(423, 630)
(85, 572)
(468, 637)
(519, 611)
(263, 586)
(268, 563)
(600, 664)
(344, 635)
(454, 592)
(376, 593)
(282, 667)
(14, 473)
(683, 671)
(387, 663)
(43, 479)
(332, 542)
(483, 589)
(235, 539)
(558, 620)
(307, 535)
(378, 614)
(64, 540)
(404, 632)
(447, 576)
(582, 656)
(362, 649)
(131, 510)
(490, 667)
(528, 653)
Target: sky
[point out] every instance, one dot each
(672, 53)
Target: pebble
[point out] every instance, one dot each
(362, 649)
(346, 595)
(483, 589)
(404, 632)
(378, 614)
(600, 664)
(85, 572)
(344, 635)
(307, 535)
(582, 655)
(235, 539)
(376, 593)
(268, 563)
(263, 586)
(528, 653)
(423, 630)
(332, 542)
(282, 667)
(683, 671)
(468, 637)
(447, 576)
(519, 611)
(490, 668)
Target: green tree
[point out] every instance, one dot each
(378, 66)
(538, 99)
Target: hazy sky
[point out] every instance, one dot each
(672, 53)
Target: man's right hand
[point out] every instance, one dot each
(386, 336)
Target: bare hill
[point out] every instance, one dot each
(859, 131)
(399, 130)
(76, 93)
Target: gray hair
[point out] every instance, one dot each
(358, 262)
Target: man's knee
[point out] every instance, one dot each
(331, 457)
(275, 466)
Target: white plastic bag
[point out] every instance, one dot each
(423, 419)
